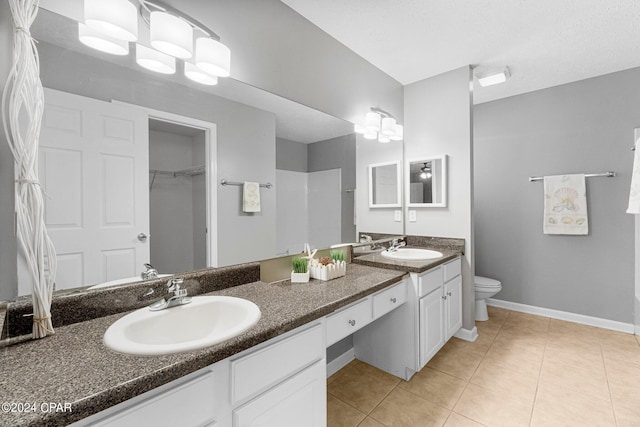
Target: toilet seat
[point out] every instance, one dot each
(486, 283)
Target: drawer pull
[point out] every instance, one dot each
(444, 297)
(352, 322)
(449, 293)
(393, 300)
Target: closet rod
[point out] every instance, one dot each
(608, 174)
(225, 182)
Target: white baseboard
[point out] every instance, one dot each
(340, 362)
(564, 315)
(467, 334)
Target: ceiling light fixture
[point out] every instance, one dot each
(493, 77)
(114, 23)
(380, 125)
(425, 171)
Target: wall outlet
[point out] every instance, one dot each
(397, 216)
(412, 216)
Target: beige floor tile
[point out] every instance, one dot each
(526, 340)
(530, 322)
(613, 338)
(362, 391)
(435, 386)
(402, 408)
(624, 383)
(621, 353)
(627, 415)
(362, 368)
(574, 330)
(493, 408)
(339, 414)
(457, 420)
(509, 355)
(497, 312)
(588, 380)
(461, 362)
(521, 385)
(370, 422)
(560, 406)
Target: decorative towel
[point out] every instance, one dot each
(634, 194)
(251, 197)
(565, 205)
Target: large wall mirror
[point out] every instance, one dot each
(427, 182)
(308, 156)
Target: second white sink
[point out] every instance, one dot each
(412, 254)
(206, 321)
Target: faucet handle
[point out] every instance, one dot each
(174, 285)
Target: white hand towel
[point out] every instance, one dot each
(565, 205)
(251, 197)
(634, 194)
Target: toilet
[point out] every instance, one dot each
(485, 288)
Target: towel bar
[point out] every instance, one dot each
(225, 182)
(608, 174)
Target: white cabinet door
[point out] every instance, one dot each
(94, 168)
(453, 293)
(299, 401)
(431, 325)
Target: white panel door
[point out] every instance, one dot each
(453, 292)
(292, 213)
(94, 167)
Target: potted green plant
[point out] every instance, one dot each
(300, 273)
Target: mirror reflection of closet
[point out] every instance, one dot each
(384, 185)
(177, 197)
(427, 185)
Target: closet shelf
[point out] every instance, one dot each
(188, 172)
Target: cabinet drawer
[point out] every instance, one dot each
(195, 407)
(430, 281)
(347, 321)
(264, 368)
(452, 269)
(389, 299)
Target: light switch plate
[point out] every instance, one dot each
(397, 216)
(412, 216)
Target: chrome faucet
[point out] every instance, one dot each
(396, 244)
(175, 296)
(149, 273)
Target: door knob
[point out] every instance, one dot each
(352, 322)
(142, 237)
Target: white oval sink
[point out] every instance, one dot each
(206, 321)
(123, 281)
(412, 254)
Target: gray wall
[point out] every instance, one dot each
(8, 248)
(438, 120)
(587, 127)
(339, 153)
(245, 139)
(291, 155)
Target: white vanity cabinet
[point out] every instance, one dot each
(439, 307)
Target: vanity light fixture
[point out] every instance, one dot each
(113, 24)
(380, 125)
(493, 77)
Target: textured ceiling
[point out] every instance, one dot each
(544, 42)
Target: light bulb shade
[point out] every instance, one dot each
(398, 133)
(116, 18)
(388, 127)
(155, 61)
(100, 41)
(197, 75)
(423, 175)
(383, 138)
(359, 129)
(370, 135)
(372, 122)
(213, 57)
(171, 35)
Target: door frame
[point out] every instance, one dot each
(211, 168)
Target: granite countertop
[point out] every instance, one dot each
(73, 366)
(377, 260)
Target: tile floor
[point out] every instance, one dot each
(523, 370)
